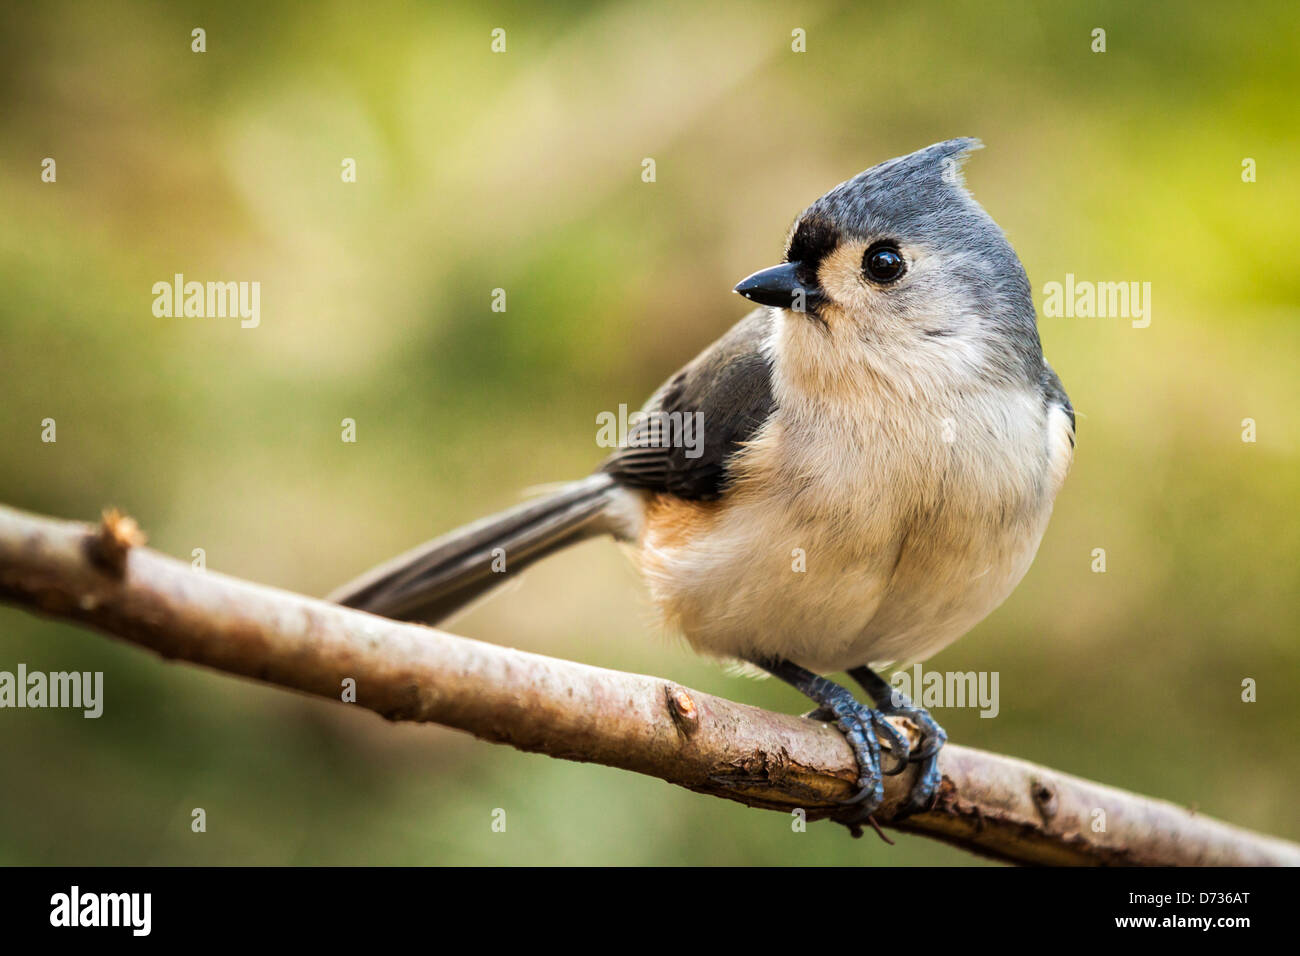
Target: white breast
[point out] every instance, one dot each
(867, 539)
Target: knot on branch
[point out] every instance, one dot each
(108, 545)
(683, 710)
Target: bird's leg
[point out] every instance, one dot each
(861, 727)
(894, 703)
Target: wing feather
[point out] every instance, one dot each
(729, 385)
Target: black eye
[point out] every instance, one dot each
(883, 263)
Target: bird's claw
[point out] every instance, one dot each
(859, 722)
(869, 733)
(933, 737)
(864, 729)
(899, 748)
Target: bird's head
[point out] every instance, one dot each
(901, 265)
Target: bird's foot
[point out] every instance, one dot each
(864, 729)
(893, 703)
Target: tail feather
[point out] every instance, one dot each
(440, 577)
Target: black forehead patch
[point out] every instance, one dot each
(813, 240)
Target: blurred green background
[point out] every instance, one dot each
(522, 171)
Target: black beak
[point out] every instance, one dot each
(779, 286)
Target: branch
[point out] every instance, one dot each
(993, 805)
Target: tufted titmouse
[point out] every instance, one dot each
(882, 444)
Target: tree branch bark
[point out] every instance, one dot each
(993, 805)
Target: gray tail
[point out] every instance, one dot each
(442, 576)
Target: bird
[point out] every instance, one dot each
(854, 475)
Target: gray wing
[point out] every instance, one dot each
(1054, 394)
(730, 385)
